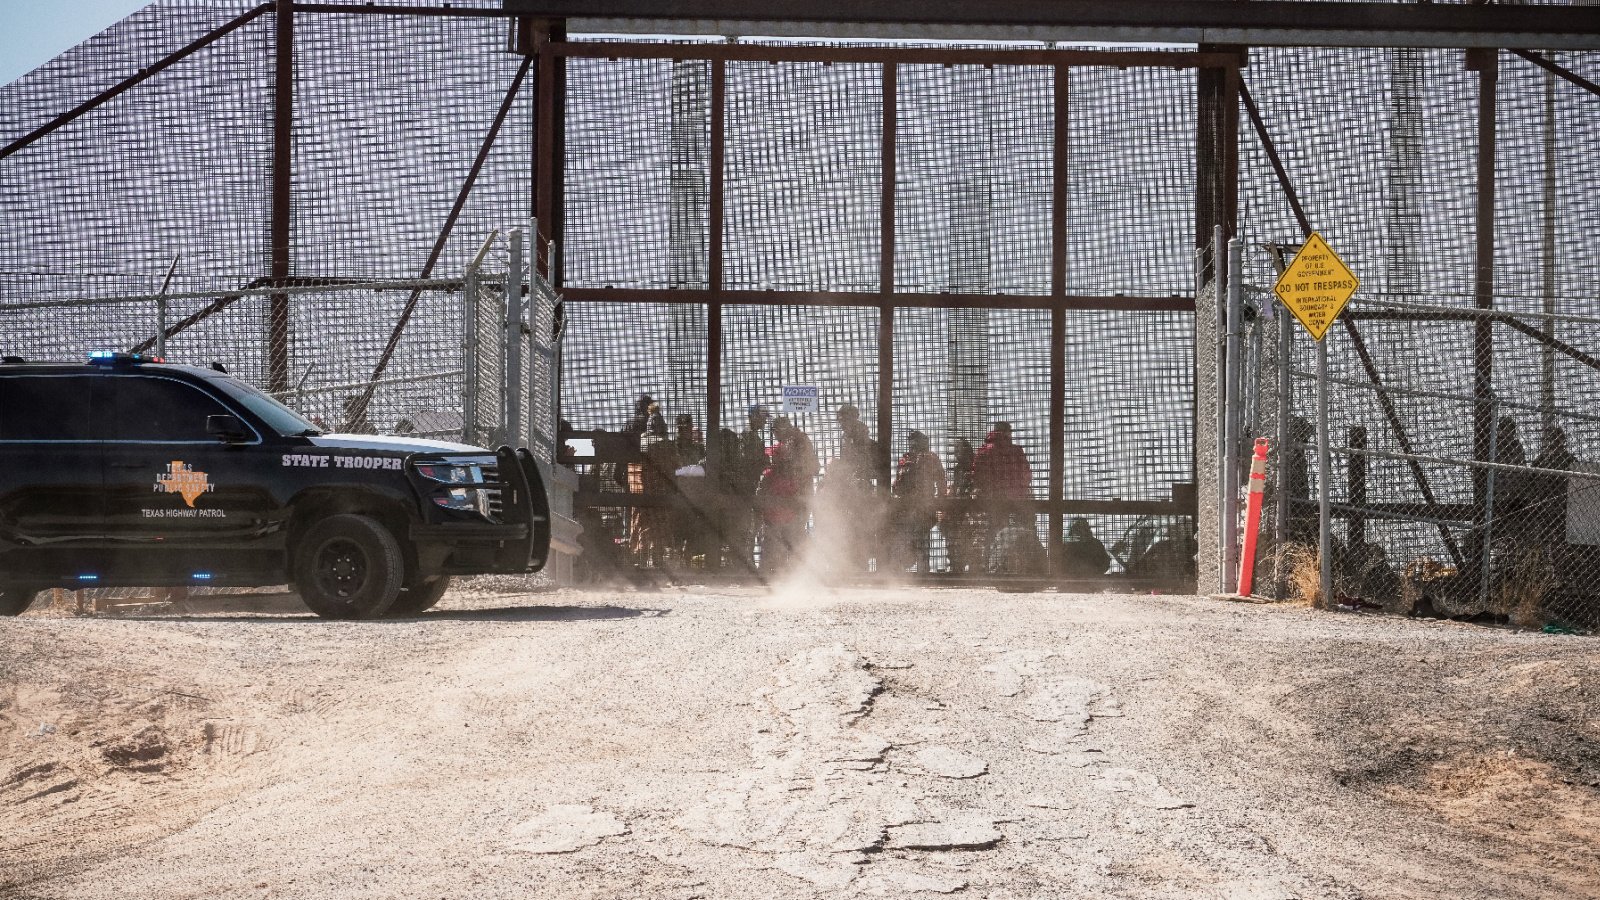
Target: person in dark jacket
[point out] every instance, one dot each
(652, 540)
(743, 474)
(959, 532)
(1083, 555)
(919, 488)
(691, 450)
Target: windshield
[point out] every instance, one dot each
(278, 417)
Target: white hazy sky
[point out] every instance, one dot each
(32, 32)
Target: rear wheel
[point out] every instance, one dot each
(14, 598)
(419, 595)
(349, 567)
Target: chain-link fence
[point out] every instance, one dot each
(1453, 494)
(333, 345)
(1461, 378)
(422, 357)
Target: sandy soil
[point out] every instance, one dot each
(853, 743)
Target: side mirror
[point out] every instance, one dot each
(228, 429)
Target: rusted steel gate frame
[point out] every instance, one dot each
(544, 40)
(1217, 123)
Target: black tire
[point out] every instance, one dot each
(419, 596)
(348, 567)
(15, 599)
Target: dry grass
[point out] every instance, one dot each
(1302, 572)
(1521, 590)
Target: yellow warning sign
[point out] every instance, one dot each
(1316, 286)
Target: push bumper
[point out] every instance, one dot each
(519, 542)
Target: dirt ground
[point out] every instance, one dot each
(722, 743)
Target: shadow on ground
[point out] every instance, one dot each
(495, 614)
(541, 613)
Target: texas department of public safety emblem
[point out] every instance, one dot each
(181, 479)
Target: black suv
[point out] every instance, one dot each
(130, 472)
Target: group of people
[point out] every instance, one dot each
(750, 506)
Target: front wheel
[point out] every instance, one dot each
(349, 567)
(419, 596)
(14, 599)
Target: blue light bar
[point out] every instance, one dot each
(96, 355)
(88, 577)
(202, 576)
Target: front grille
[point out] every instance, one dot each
(491, 476)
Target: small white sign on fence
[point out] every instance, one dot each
(799, 399)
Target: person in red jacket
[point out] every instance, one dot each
(1002, 482)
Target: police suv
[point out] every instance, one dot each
(129, 471)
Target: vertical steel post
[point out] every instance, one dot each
(1547, 374)
(549, 148)
(1219, 345)
(528, 319)
(1194, 414)
(1058, 312)
(1217, 148)
(889, 149)
(511, 427)
(714, 215)
(1233, 411)
(469, 356)
(1486, 63)
(280, 237)
(1280, 524)
(1324, 482)
(1485, 571)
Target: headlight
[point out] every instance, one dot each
(451, 473)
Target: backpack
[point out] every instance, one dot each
(1016, 551)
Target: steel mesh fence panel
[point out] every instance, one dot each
(1455, 432)
(637, 174)
(1129, 427)
(665, 358)
(389, 114)
(1395, 195)
(106, 58)
(973, 179)
(1130, 191)
(99, 207)
(834, 349)
(803, 176)
(333, 351)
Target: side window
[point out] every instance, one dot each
(155, 409)
(46, 408)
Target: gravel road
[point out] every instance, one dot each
(722, 743)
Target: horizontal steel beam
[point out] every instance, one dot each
(948, 56)
(618, 499)
(898, 299)
(1253, 37)
(1260, 23)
